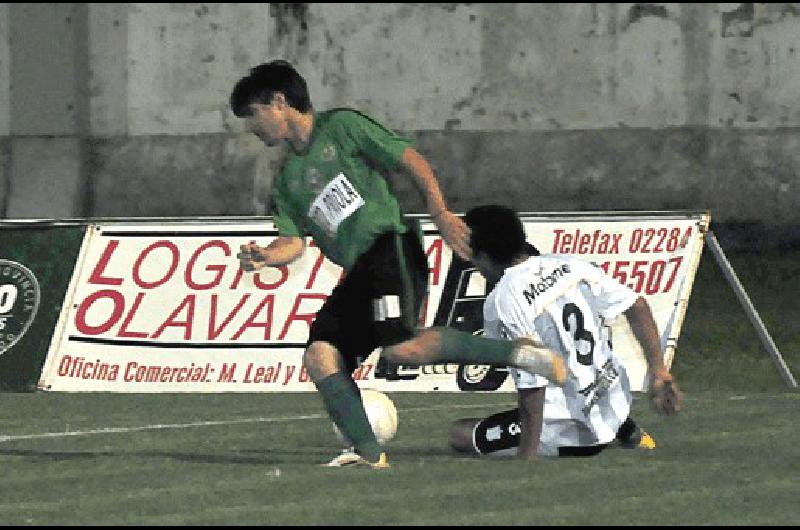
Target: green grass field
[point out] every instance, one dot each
(727, 459)
(731, 457)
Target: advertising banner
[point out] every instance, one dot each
(36, 264)
(164, 307)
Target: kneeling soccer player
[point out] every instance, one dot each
(563, 302)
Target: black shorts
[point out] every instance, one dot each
(499, 435)
(378, 302)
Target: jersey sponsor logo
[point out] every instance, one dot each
(337, 201)
(540, 287)
(19, 301)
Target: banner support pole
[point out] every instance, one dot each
(750, 310)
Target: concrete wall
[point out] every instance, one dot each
(568, 106)
(5, 107)
(44, 84)
(44, 109)
(108, 74)
(5, 73)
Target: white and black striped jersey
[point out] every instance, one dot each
(566, 302)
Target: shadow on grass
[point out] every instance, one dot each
(266, 458)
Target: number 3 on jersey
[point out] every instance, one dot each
(572, 319)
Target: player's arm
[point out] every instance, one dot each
(531, 414)
(453, 229)
(666, 396)
(280, 251)
(290, 243)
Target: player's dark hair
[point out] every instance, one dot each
(498, 232)
(262, 83)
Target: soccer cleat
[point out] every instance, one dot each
(349, 458)
(645, 442)
(538, 359)
(382, 463)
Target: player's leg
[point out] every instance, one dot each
(400, 285)
(445, 345)
(377, 304)
(337, 340)
(499, 435)
(495, 435)
(399, 273)
(341, 397)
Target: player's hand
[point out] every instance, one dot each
(455, 232)
(665, 395)
(251, 257)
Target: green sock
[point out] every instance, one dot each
(343, 403)
(466, 348)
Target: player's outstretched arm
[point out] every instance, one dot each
(531, 415)
(454, 231)
(664, 392)
(280, 251)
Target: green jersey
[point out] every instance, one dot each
(335, 191)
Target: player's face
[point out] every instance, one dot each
(268, 122)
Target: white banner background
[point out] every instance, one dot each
(165, 308)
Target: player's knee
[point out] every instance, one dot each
(419, 349)
(320, 360)
(392, 354)
(403, 353)
(312, 355)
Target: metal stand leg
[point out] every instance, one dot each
(750, 310)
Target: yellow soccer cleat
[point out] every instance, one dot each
(641, 441)
(382, 463)
(647, 442)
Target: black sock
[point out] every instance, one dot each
(629, 432)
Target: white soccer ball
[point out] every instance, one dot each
(381, 413)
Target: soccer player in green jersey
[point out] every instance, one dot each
(332, 187)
